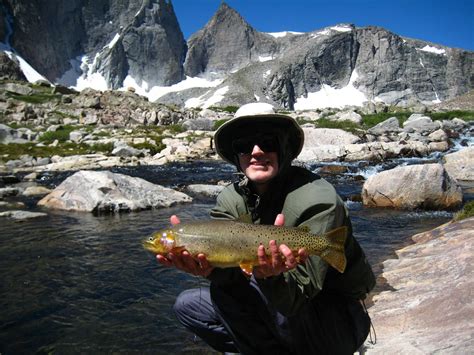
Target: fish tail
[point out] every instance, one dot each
(334, 254)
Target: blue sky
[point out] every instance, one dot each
(446, 22)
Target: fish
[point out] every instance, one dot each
(232, 243)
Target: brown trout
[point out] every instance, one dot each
(232, 243)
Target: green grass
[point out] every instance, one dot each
(369, 121)
(464, 115)
(228, 109)
(36, 98)
(153, 148)
(345, 125)
(219, 123)
(14, 151)
(61, 134)
(466, 212)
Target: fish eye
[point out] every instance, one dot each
(150, 239)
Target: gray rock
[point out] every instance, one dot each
(36, 191)
(204, 190)
(10, 67)
(388, 126)
(122, 149)
(103, 191)
(460, 165)
(9, 191)
(425, 186)
(22, 215)
(202, 124)
(420, 124)
(428, 309)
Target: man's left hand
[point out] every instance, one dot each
(281, 258)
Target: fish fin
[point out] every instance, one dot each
(247, 267)
(245, 218)
(335, 255)
(337, 237)
(335, 258)
(305, 229)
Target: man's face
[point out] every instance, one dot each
(258, 157)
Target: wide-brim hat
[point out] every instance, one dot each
(259, 117)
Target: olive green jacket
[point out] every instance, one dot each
(306, 200)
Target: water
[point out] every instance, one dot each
(79, 283)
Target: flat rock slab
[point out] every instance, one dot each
(431, 308)
(22, 215)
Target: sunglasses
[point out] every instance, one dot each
(267, 143)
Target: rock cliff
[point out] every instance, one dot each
(121, 43)
(115, 38)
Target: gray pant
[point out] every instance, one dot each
(237, 318)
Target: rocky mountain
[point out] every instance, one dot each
(123, 43)
(114, 38)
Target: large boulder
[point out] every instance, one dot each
(429, 308)
(460, 165)
(425, 186)
(103, 191)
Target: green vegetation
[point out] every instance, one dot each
(228, 109)
(464, 115)
(372, 120)
(345, 125)
(14, 151)
(219, 123)
(36, 98)
(153, 148)
(61, 134)
(466, 212)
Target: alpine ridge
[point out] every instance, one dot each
(112, 44)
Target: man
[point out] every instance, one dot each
(289, 304)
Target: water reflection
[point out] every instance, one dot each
(75, 282)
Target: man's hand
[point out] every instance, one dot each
(281, 257)
(184, 261)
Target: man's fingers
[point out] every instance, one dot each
(290, 260)
(261, 255)
(174, 220)
(276, 256)
(163, 261)
(280, 220)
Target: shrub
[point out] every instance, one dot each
(466, 212)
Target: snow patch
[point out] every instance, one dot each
(331, 97)
(284, 33)
(205, 103)
(90, 79)
(341, 28)
(114, 41)
(31, 74)
(264, 59)
(431, 49)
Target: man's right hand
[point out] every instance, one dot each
(184, 261)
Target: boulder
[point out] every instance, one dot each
(421, 124)
(327, 136)
(425, 186)
(389, 125)
(429, 307)
(104, 191)
(460, 165)
(22, 215)
(204, 190)
(36, 191)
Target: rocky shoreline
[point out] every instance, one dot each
(408, 319)
(429, 309)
